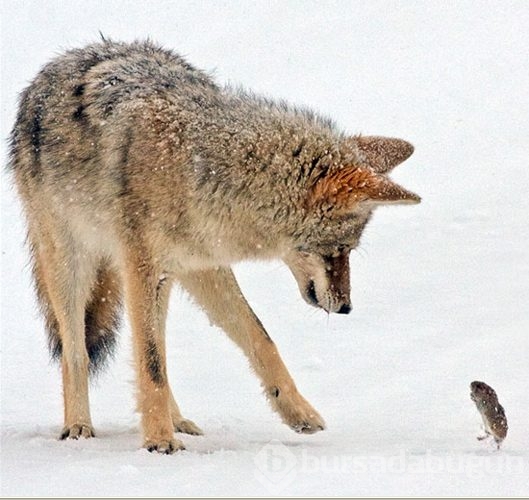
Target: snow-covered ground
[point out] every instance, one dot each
(440, 290)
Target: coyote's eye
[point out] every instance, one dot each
(337, 251)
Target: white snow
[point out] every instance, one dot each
(440, 290)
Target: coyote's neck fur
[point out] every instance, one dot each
(272, 147)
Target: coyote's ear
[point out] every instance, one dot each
(344, 189)
(383, 153)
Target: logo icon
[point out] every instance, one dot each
(275, 466)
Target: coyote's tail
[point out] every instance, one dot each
(102, 316)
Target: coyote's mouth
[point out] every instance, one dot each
(310, 294)
(312, 299)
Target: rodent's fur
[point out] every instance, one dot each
(492, 412)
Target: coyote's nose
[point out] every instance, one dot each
(345, 309)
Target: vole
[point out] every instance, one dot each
(492, 412)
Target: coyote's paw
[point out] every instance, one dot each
(307, 423)
(306, 426)
(296, 412)
(165, 446)
(187, 427)
(76, 431)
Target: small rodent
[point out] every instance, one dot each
(491, 411)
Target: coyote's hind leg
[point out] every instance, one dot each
(64, 274)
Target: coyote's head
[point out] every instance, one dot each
(338, 205)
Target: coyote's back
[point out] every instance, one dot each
(137, 171)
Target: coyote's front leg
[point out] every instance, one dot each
(147, 292)
(217, 292)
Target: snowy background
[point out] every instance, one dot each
(440, 290)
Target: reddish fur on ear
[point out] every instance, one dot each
(345, 188)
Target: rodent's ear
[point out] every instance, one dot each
(342, 190)
(382, 154)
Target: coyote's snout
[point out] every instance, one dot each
(137, 172)
(323, 280)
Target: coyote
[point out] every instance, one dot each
(137, 171)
